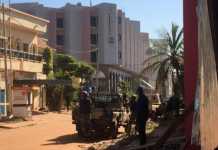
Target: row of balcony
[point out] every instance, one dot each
(18, 54)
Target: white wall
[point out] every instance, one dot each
(108, 31)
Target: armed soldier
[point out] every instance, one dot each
(142, 112)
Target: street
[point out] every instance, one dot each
(52, 131)
(107, 75)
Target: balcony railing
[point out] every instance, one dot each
(22, 55)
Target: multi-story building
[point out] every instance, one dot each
(24, 45)
(83, 31)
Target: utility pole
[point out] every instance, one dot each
(90, 3)
(10, 59)
(5, 55)
(97, 69)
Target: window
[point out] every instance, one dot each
(13, 43)
(2, 96)
(94, 21)
(120, 55)
(109, 23)
(94, 39)
(1, 43)
(94, 56)
(60, 23)
(18, 44)
(119, 20)
(119, 37)
(25, 47)
(29, 98)
(60, 40)
(2, 110)
(34, 48)
(111, 40)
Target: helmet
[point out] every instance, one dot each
(140, 90)
(84, 93)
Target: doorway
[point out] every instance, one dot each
(213, 14)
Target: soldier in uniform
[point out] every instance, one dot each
(142, 112)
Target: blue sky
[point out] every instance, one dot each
(154, 15)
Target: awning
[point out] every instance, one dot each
(99, 75)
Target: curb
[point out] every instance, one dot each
(5, 127)
(16, 127)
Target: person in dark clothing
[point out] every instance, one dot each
(142, 112)
(173, 105)
(84, 103)
(125, 100)
(132, 104)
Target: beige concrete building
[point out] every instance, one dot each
(77, 30)
(26, 61)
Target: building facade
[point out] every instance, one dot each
(24, 43)
(83, 31)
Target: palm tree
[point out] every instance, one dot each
(168, 61)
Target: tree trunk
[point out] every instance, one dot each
(61, 99)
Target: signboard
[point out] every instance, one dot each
(22, 102)
(21, 95)
(24, 76)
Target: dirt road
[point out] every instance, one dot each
(52, 131)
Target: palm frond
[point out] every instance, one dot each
(163, 72)
(179, 40)
(174, 59)
(155, 57)
(174, 31)
(179, 46)
(174, 38)
(169, 40)
(152, 67)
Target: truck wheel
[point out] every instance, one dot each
(79, 131)
(128, 129)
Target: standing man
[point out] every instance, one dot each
(142, 112)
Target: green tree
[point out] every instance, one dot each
(48, 66)
(84, 71)
(66, 67)
(125, 88)
(168, 60)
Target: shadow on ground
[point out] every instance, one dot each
(71, 138)
(119, 145)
